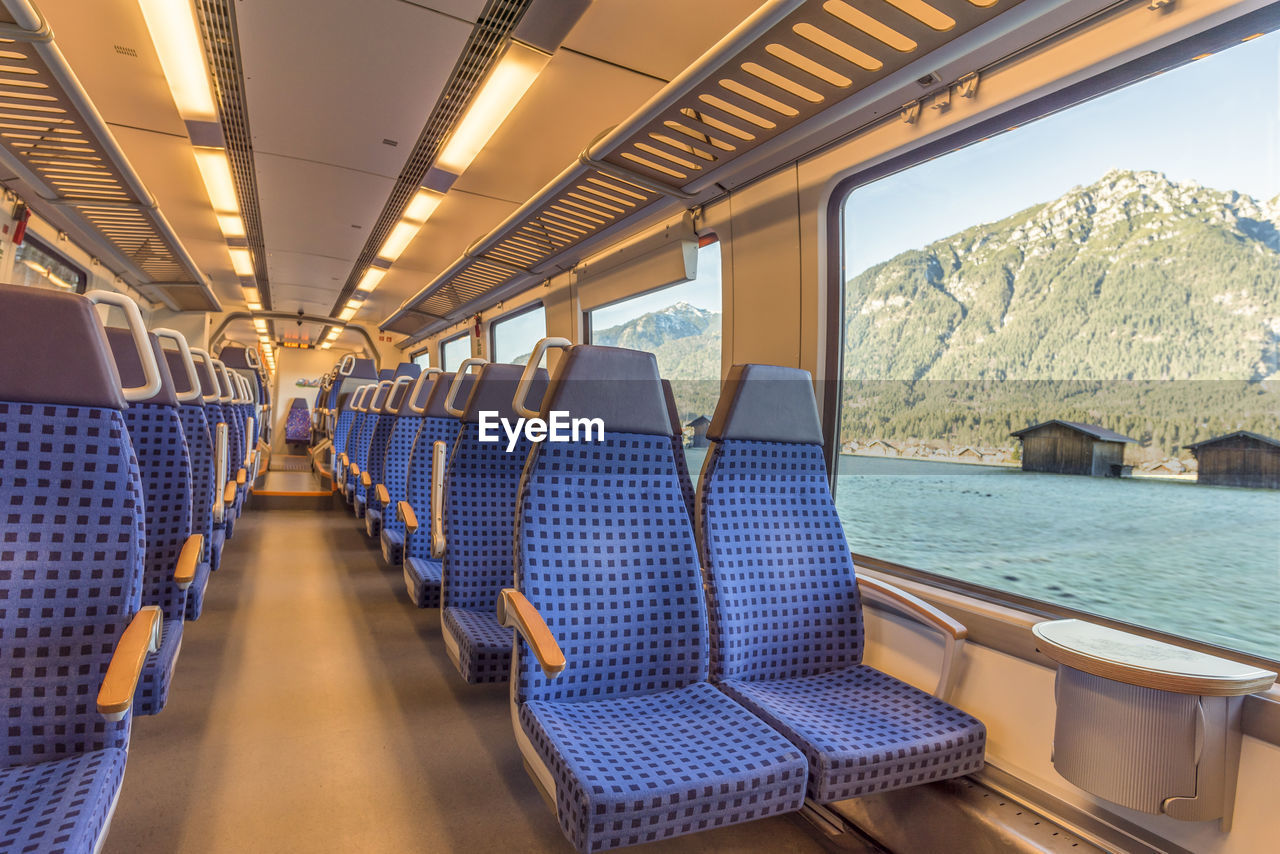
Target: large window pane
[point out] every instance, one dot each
(680, 325)
(514, 337)
(37, 265)
(1115, 266)
(454, 352)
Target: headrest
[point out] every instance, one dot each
(399, 393)
(358, 397)
(440, 392)
(408, 369)
(672, 409)
(387, 374)
(207, 386)
(495, 389)
(363, 369)
(619, 386)
(374, 404)
(54, 351)
(224, 384)
(767, 403)
(178, 371)
(235, 356)
(129, 365)
(418, 398)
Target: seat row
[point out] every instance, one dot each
(681, 660)
(124, 464)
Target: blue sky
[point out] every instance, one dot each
(703, 292)
(1214, 121)
(515, 336)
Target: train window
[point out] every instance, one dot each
(455, 351)
(423, 359)
(512, 337)
(39, 265)
(680, 325)
(1039, 330)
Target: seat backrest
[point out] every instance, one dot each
(395, 468)
(234, 418)
(677, 440)
(605, 550)
(384, 423)
(155, 429)
(770, 533)
(482, 481)
(199, 438)
(437, 426)
(368, 423)
(72, 546)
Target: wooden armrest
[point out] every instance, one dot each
(229, 494)
(355, 470)
(953, 632)
(140, 637)
(185, 572)
(343, 462)
(384, 497)
(240, 477)
(365, 480)
(407, 515)
(438, 541)
(517, 612)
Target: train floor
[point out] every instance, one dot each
(314, 710)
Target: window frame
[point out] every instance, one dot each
(466, 333)
(42, 245)
(1158, 61)
(512, 315)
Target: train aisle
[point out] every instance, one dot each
(314, 710)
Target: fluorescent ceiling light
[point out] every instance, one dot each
(506, 84)
(241, 261)
(216, 172)
(399, 239)
(231, 224)
(424, 204)
(326, 345)
(172, 24)
(255, 306)
(348, 313)
(371, 279)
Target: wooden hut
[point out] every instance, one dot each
(1068, 447)
(1238, 459)
(699, 426)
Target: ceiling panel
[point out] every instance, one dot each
(311, 271)
(329, 80)
(468, 9)
(628, 32)
(572, 101)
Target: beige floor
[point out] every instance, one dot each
(313, 710)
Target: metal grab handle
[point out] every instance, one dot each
(451, 400)
(251, 356)
(428, 374)
(530, 371)
(138, 329)
(220, 464)
(228, 393)
(209, 372)
(181, 340)
(391, 393)
(438, 542)
(347, 365)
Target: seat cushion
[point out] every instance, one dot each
(864, 731)
(422, 578)
(652, 766)
(157, 671)
(59, 807)
(373, 520)
(358, 503)
(484, 647)
(392, 546)
(195, 593)
(216, 541)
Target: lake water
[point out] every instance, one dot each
(1197, 561)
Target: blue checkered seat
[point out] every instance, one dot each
(786, 615)
(350, 473)
(677, 441)
(195, 430)
(72, 541)
(155, 431)
(214, 416)
(231, 416)
(481, 483)
(631, 739)
(362, 441)
(395, 478)
(349, 377)
(421, 567)
(383, 425)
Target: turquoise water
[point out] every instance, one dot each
(1197, 561)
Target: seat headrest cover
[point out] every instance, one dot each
(129, 365)
(387, 374)
(379, 396)
(495, 389)
(440, 392)
(408, 369)
(178, 371)
(54, 350)
(619, 386)
(207, 386)
(399, 393)
(363, 369)
(672, 409)
(767, 403)
(235, 356)
(421, 391)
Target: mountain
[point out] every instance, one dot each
(1095, 301)
(649, 331)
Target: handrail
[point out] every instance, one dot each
(210, 373)
(531, 370)
(391, 393)
(227, 395)
(138, 329)
(187, 361)
(452, 399)
(428, 374)
(347, 365)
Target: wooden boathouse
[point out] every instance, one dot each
(1069, 447)
(1238, 459)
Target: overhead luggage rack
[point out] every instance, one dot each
(786, 64)
(69, 167)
